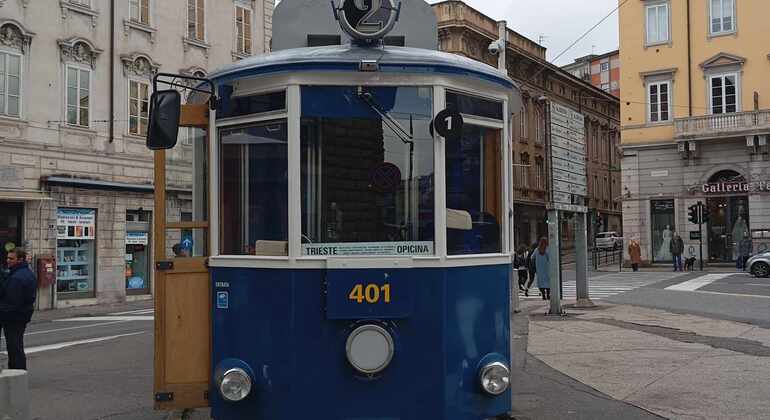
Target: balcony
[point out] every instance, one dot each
(719, 126)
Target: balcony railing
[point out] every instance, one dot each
(527, 178)
(723, 125)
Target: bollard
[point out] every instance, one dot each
(14, 395)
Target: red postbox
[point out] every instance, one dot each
(46, 270)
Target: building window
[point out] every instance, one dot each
(539, 126)
(660, 103)
(10, 84)
(724, 93)
(606, 87)
(139, 11)
(523, 121)
(78, 96)
(138, 107)
(86, 3)
(540, 173)
(243, 30)
(657, 23)
(604, 66)
(196, 19)
(722, 16)
(525, 172)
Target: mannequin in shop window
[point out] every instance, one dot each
(664, 251)
(740, 232)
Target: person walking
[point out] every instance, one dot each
(542, 262)
(520, 265)
(677, 248)
(17, 299)
(635, 252)
(531, 267)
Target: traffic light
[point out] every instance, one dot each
(704, 215)
(693, 212)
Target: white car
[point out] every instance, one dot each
(609, 240)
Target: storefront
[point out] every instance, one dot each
(75, 252)
(138, 270)
(663, 227)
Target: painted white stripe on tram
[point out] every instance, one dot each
(106, 318)
(697, 283)
(66, 344)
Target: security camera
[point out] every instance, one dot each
(494, 48)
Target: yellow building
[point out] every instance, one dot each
(695, 119)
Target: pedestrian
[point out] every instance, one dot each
(745, 249)
(17, 299)
(179, 251)
(542, 262)
(635, 252)
(531, 267)
(520, 265)
(677, 248)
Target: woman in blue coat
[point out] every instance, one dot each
(542, 261)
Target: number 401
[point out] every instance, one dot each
(371, 293)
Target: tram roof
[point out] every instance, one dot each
(348, 58)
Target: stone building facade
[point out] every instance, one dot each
(466, 31)
(76, 175)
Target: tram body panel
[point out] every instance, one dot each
(278, 323)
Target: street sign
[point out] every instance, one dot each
(694, 236)
(568, 150)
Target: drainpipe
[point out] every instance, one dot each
(112, 71)
(689, 61)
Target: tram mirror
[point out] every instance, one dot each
(163, 130)
(448, 124)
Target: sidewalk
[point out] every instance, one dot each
(677, 366)
(91, 310)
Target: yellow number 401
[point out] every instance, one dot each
(371, 293)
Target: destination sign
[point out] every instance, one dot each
(572, 208)
(565, 154)
(566, 133)
(567, 118)
(560, 175)
(568, 165)
(569, 188)
(560, 197)
(569, 145)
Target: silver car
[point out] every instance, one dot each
(759, 265)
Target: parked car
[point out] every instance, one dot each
(759, 265)
(609, 240)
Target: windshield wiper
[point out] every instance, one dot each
(368, 98)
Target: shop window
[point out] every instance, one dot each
(663, 228)
(254, 184)
(11, 217)
(75, 251)
(367, 184)
(138, 255)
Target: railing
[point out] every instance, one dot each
(607, 257)
(720, 125)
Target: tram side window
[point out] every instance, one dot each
(255, 189)
(474, 180)
(367, 187)
(234, 104)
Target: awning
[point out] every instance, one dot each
(23, 195)
(106, 185)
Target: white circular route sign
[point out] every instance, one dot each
(367, 20)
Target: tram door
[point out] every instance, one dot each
(182, 291)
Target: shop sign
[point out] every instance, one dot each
(368, 248)
(137, 238)
(736, 187)
(76, 224)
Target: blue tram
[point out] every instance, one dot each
(355, 246)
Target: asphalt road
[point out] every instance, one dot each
(731, 296)
(91, 368)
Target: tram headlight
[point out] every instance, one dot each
(369, 349)
(234, 384)
(495, 378)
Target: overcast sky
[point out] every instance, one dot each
(561, 22)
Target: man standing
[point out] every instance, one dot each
(17, 297)
(677, 248)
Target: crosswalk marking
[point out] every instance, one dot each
(607, 285)
(697, 283)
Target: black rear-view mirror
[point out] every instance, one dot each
(165, 108)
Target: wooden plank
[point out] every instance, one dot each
(194, 115)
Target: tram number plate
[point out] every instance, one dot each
(368, 294)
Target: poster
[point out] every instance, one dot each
(76, 224)
(137, 238)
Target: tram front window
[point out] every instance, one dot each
(367, 171)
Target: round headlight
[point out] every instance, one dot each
(495, 378)
(235, 384)
(369, 349)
